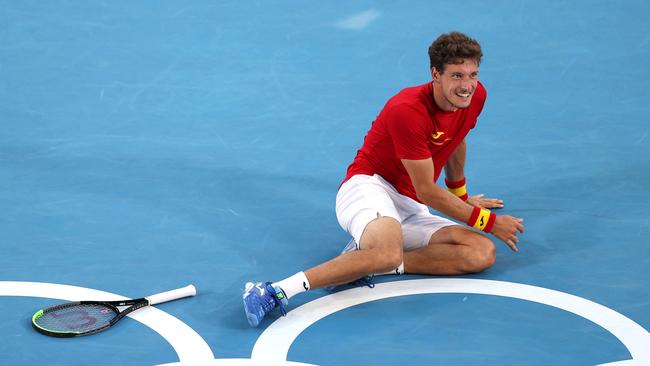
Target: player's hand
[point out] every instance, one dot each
(479, 201)
(506, 227)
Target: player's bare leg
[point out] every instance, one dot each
(452, 250)
(380, 250)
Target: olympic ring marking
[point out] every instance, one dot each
(273, 344)
(238, 362)
(189, 345)
(282, 333)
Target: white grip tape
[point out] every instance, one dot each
(179, 293)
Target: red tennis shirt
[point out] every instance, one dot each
(411, 126)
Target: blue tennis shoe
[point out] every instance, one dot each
(260, 298)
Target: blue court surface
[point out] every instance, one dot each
(148, 145)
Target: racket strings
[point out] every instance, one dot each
(76, 318)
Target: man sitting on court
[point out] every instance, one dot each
(383, 201)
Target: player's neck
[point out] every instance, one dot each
(441, 102)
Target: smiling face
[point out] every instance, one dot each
(454, 87)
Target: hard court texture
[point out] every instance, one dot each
(148, 145)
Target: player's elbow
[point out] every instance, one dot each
(427, 195)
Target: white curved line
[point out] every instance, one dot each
(237, 362)
(274, 343)
(188, 344)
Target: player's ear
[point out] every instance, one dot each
(435, 75)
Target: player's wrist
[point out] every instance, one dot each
(482, 219)
(458, 188)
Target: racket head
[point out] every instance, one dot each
(75, 319)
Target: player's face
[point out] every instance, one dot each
(455, 87)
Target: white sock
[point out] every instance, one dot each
(397, 271)
(293, 285)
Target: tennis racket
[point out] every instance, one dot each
(75, 319)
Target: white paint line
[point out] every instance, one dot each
(358, 21)
(188, 344)
(274, 343)
(237, 362)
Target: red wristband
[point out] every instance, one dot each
(458, 188)
(490, 224)
(482, 219)
(474, 216)
(456, 184)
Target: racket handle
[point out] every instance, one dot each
(179, 293)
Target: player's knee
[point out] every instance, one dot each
(483, 255)
(387, 257)
(383, 238)
(392, 259)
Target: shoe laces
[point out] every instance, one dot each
(269, 305)
(364, 281)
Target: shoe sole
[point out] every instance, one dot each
(250, 316)
(252, 319)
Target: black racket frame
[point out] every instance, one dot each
(134, 304)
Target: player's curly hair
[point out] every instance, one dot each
(452, 48)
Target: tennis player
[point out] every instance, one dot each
(384, 200)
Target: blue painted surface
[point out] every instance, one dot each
(148, 145)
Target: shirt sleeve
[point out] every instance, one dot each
(408, 129)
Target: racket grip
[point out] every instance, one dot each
(179, 293)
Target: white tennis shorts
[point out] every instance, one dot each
(362, 197)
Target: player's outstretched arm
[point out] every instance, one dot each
(455, 172)
(421, 172)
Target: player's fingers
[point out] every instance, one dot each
(498, 203)
(492, 203)
(520, 227)
(512, 245)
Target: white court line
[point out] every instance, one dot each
(274, 343)
(189, 345)
(237, 362)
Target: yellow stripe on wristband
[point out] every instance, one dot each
(460, 191)
(482, 219)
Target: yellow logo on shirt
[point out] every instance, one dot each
(436, 136)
